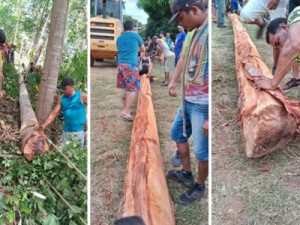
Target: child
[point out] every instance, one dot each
(145, 65)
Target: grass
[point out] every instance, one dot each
(110, 139)
(241, 193)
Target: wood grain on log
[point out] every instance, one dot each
(145, 188)
(269, 121)
(33, 141)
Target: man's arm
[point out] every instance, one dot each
(287, 56)
(52, 115)
(142, 48)
(178, 70)
(276, 53)
(84, 98)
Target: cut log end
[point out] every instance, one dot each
(272, 129)
(36, 144)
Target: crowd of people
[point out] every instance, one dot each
(189, 56)
(281, 18)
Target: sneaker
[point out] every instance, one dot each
(192, 195)
(179, 176)
(290, 84)
(222, 26)
(176, 159)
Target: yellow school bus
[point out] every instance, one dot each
(105, 28)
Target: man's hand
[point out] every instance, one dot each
(171, 89)
(272, 4)
(264, 83)
(205, 128)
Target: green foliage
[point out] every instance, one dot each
(76, 68)
(130, 18)
(24, 183)
(11, 80)
(159, 12)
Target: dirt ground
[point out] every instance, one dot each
(110, 139)
(241, 192)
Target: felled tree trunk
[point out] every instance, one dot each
(145, 188)
(268, 119)
(33, 142)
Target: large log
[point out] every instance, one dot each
(33, 142)
(145, 188)
(269, 121)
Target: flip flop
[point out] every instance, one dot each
(129, 118)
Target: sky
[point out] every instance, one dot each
(132, 10)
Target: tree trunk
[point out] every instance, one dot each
(33, 141)
(18, 21)
(53, 58)
(40, 44)
(268, 119)
(145, 188)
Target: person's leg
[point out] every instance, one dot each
(220, 6)
(131, 86)
(183, 176)
(202, 172)
(129, 101)
(169, 64)
(184, 153)
(198, 114)
(123, 97)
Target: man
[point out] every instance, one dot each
(167, 58)
(171, 87)
(192, 117)
(73, 105)
(180, 37)
(284, 37)
(253, 11)
(128, 45)
(2, 42)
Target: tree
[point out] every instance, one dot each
(52, 59)
(159, 12)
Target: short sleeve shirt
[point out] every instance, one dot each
(128, 45)
(187, 42)
(294, 17)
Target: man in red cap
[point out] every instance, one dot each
(192, 116)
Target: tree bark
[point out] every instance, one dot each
(52, 59)
(40, 44)
(33, 142)
(145, 188)
(269, 121)
(18, 21)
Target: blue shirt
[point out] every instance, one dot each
(74, 112)
(180, 37)
(128, 46)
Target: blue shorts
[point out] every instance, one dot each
(195, 116)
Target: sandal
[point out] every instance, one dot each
(127, 117)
